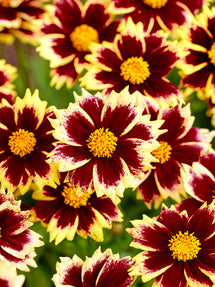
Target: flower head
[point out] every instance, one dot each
(178, 249)
(181, 145)
(66, 210)
(99, 270)
(68, 34)
(157, 14)
(110, 142)
(25, 140)
(17, 241)
(198, 64)
(17, 20)
(135, 59)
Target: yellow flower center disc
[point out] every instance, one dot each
(102, 143)
(211, 54)
(163, 152)
(22, 142)
(135, 70)
(155, 4)
(184, 246)
(82, 36)
(72, 198)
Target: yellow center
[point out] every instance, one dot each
(184, 246)
(135, 70)
(102, 143)
(72, 198)
(163, 152)
(155, 4)
(82, 36)
(211, 54)
(22, 142)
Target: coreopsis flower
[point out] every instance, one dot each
(9, 277)
(157, 14)
(102, 269)
(65, 211)
(135, 59)
(17, 19)
(198, 64)
(68, 33)
(17, 241)
(8, 74)
(25, 140)
(109, 142)
(178, 249)
(181, 145)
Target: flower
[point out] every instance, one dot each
(25, 141)
(178, 249)
(134, 59)
(198, 64)
(17, 241)
(157, 14)
(181, 145)
(68, 33)
(9, 277)
(99, 270)
(65, 211)
(110, 142)
(17, 20)
(8, 74)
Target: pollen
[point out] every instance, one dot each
(211, 54)
(72, 198)
(163, 152)
(135, 70)
(22, 142)
(184, 246)
(155, 4)
(102, 143)
(82, 36)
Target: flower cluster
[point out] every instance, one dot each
(107, 116)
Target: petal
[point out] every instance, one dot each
(202, 222)
(168, 179)
(96, 15)
(131, 45)
(195, 277)
(116, 272)
(161, 89)
(94, 264)
(188, 152)
(149, 234)
(151, 264)
(70, 157)
(91, 223)
(106, 208)
(199, 182)
(199, 78)
(15, 177)
(149, 192)
(68, 271)
(76, 176)
(108, 180)
(174, 276)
